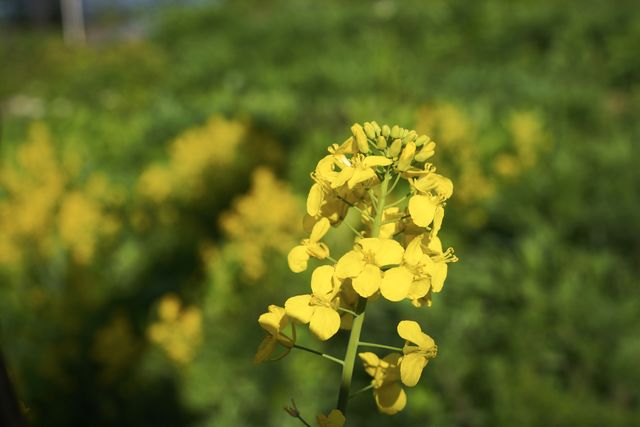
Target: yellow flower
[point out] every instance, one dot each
(358, 169)
(334, 419)
(363, 265)
(178, 331)
(273, 322)
(415, 356)
(431, 191)
(388, 394)
(312, 247)
(437, 267)
(409, 280)
(319, 308)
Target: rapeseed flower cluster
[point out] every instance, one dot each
(383, 173)
(263, 220)
(178, 330)
(45, 205)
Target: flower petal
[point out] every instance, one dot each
(314, 199)
(350, 265)
(370, 362)
(298, 259)
(264, 349)
(373, 161)
(273, 321)
(319, 229)
(419, 288)
(368, 281)
(389, 252)
(413, 254)
(361, 175)
(322, 280)
(298, 308)
(438, 275)
(390, 398)
(324, 323)
(343, 176)
(396, 283)
(411, 366)
(411, 331)
(421, 210)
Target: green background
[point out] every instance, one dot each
(539, 322)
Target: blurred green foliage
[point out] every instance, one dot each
(114, 182)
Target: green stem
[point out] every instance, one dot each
(356, 327)
(372, 344)
(352, 228)
(362, 390)
(316, 352)
(346, 310)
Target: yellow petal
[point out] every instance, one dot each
(374, 161)
(370, 361)
(314, 199)
(324, 323)
(361, 175)
(413, 254)
(343, 176)
(411, 331)
(389, 252)
(322, 280)
(367, 282)
(419, 288)
(421, 210)
(298, 259)
(396, 283)
(411, 366)
(274, 321)
(406, 157)
(437, 221)
(318, 250)
(390, 398)
(264, 349)
(350, 265)
(361, 138)
(319, 230)
(438, 275)
(298, 308)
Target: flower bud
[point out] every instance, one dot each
(376, 127)
(410, 136)
(426, 152)
(369, 130)
(421, 140)
(361, 138)
(381, 142)
(386, 131)
(407, 156)
(395, 132)
(395, 148)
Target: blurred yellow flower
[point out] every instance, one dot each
(266, 218)
(192, 155)
(178, 330)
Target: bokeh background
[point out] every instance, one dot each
(152, 180)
